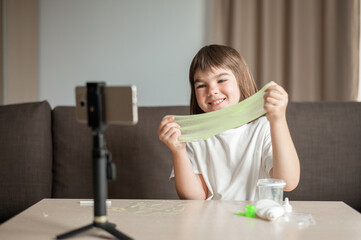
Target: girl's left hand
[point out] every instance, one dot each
(276, 100)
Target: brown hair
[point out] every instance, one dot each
(218, 56)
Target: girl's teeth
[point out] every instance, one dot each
(217, 102)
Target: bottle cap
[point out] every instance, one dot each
(286, 206)
(250, 211)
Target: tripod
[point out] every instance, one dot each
(103, 167)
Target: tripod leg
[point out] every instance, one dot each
(110, 228)
(75, 232)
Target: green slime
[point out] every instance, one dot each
(202, 126)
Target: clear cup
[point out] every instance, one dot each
(269, 188)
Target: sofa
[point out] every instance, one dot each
(46, 153)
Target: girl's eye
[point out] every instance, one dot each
(222, 80)
(201, 86)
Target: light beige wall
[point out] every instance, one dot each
(1, 54)
(21, 51)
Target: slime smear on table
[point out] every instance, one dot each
(152, 207)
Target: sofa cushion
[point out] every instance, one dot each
(143, 162)
(327, 139)
(72, 163)
(26, 156)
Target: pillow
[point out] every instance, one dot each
(26, 156)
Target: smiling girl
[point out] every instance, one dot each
(228, 165)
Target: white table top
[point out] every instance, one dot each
(177, 219)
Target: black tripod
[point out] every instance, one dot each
(103, 167)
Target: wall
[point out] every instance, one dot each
(146, 43)
(2, 91)
(19, 48)
(359, 70)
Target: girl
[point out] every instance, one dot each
(228, 165)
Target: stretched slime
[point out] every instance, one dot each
(202, 126)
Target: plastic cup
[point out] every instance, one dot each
(269, 188)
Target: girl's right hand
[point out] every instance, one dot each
(169, 132)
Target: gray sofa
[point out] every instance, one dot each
(45, 153)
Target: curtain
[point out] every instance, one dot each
(310, 47)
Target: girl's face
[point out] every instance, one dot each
(216, 89)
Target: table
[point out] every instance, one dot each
(178, 219)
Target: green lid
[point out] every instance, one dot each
(250, 211)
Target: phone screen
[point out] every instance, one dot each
(120, 105)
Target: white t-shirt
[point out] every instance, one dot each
(232, 162)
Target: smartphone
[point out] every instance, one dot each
(120, 105)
